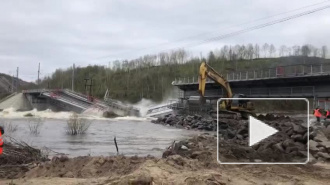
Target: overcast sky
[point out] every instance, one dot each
(58, 33)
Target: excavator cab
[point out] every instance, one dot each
(239, 103)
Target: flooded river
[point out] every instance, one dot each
(134, 136)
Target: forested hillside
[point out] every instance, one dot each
(151, 76)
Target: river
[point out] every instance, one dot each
(135, 136)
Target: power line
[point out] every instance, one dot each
(232, 26)
(252, 28)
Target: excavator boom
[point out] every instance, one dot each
(207, 71)
(241, 106)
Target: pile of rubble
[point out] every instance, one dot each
(289, 144)
(188, 122)
(319, 143)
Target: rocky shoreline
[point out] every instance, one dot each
(288, 145)
(188, 122)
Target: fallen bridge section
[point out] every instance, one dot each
(62, 100)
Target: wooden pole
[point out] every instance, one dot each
(116, 145)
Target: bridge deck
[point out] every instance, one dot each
(286, 81)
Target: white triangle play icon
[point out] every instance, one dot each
(258, 130)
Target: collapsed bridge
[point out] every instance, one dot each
(63, 100)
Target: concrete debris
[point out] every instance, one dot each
(188, 122)
(289, 144)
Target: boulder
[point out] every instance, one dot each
(279, 147)
(240, 137)
(312, 159)
(169, 119)
(297, 137)
(301, 146)
(305, 136)
(323, 155)
(298, 129)
(223, 125)
(183, 147)
(242, 131)
(312, 134)
(325, 144)
(313, 146)
(320, 137)
(230, 134)
(197, 117)
(288, 143)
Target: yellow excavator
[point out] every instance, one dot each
(228, 108)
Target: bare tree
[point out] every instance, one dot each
(250, 51)
(116, 65)
(283, 50)
(316, 52)
(265, 48)
(305, 50)
(237, 51)
(272, 50)
(289, 51)
(324, 51)
(181, 55)
(256, 51)
(224, 53)
(296, 50)
(211, 57)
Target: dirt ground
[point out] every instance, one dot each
(195, 164)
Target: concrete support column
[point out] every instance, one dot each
(311, 69)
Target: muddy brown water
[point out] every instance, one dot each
(133, 137)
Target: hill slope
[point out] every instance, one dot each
(152, 80)
(8, 85)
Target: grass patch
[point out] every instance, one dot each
(77, 125)
(35, 126)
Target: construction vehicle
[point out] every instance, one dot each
(228, 108)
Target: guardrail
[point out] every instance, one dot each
(269, 73)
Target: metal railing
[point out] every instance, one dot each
(324, 104)
(269, 73)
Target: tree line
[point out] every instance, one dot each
(150, 76)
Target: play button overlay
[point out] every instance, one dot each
(263, 131)
(259, 131)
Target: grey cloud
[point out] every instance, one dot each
(59, 33)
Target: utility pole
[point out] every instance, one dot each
(38, 74)
(90, 85)
(62, 79)
(12, 83)
(17, 80)
(73, 77)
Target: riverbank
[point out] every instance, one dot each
(190, 161)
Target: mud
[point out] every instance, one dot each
(192, 161)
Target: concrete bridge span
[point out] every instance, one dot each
(295, 81)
